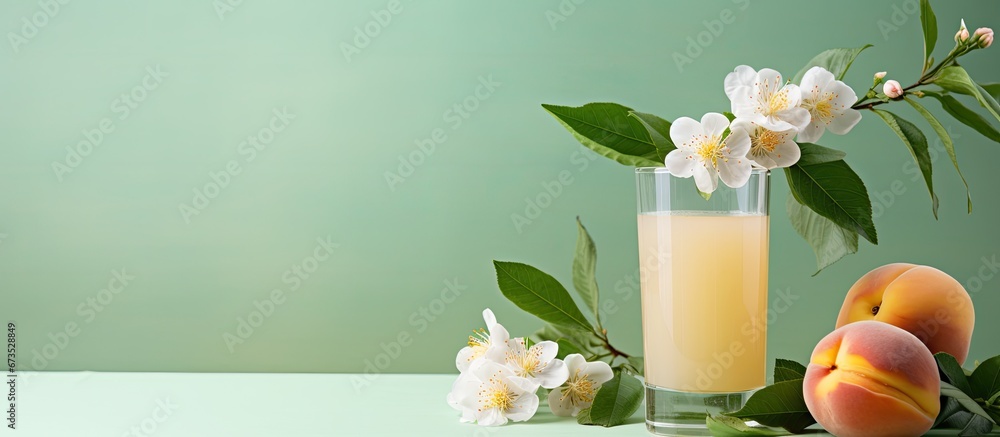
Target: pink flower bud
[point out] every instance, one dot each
(985, 35)
(892, 89)
(880, 75)
(963, 34)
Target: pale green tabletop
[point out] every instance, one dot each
(257, 404)
(214, 404)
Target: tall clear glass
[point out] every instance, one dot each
(703, 266)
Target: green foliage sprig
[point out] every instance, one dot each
(829, 204)
(541, 295)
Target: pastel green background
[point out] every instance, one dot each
(397, 246)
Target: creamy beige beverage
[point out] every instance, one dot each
(704, 300)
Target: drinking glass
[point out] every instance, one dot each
(703, 267)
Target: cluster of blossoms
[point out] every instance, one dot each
(500, 377)
(770, 115)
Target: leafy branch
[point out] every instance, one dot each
(829, 205)
(541, 295)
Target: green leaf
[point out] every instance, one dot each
(607, 129)
(585, 270)
(659, 133)
(993, 399)
(993, 89)
(817, 154)
(637, 363)
(729, 115)
(956, 79)
(586, 340)
(949, 406)
(539, 294)
(583, 417)
(728, 426)
(929, 24)
(788, 370)
(969, 424)
(985, 379)
(991, 102)
(829, 241)
(781, 404)
(914, 140)
(837, 61)
(616, 400)
(971, 405)
(566, 347)
(953, 372)
(977, 426)
(834, 191)
(949, 146)
(965, 115)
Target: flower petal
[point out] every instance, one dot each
(464, 358)
(785, 154)
(554, 375)
(483, 370)
(843, 96)
(547, 350)
(680, 163)
(706, 178)
(746, 107)
(737, 144)
(560, 406)
(459, 391)
(797, 117)
(843, 123)
(574, 361)
(812, 132)
(768, 83)
(683, 129)
(713, 124)
(498, 335)
(521, 385)
(742, 77)
(762, 160)
(793, 95)
(523, 408)
(735, 173)
(815, 82)
(489, 318)
(490, 417)
(597, 371)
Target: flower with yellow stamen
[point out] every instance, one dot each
(481, 340)
(764, 98)
(537, 363)
(702, 152)
(829, 102)
(579, 390)
(491, 394)
(770, 149)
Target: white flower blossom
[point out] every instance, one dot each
(703, 153)
(765, 99)
(770, 149)
(537, 363)
(492, 394)
(579, 390)
(481, 340)
(829, 104)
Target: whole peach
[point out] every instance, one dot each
(920, 299)
(872, 379)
